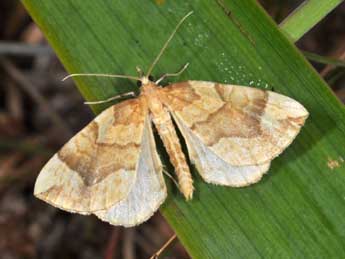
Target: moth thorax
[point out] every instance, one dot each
(148, 86)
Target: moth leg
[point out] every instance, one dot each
(131, 94)
(172, 74)
(172, 178)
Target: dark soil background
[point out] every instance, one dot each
(38, 114)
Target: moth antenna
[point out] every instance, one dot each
(102, 75)
(167, 43)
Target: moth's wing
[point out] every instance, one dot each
(215, 170)
(241, 125)
(148, 192)
(97, 167)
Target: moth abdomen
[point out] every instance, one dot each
(172, 144)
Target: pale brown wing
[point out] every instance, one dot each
(97, 167)
(241, 125)
(215, 170)
(148, 192)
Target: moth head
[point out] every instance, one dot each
(144, 80)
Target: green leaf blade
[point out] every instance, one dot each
(304, 18)
(297, 209)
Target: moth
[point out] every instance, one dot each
(111, 167)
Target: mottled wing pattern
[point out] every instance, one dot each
(215, 170)
(148, 192)
(242, 126)
(97, 167)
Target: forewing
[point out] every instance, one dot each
(97, 167)
(241, 125)
(148, 192)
